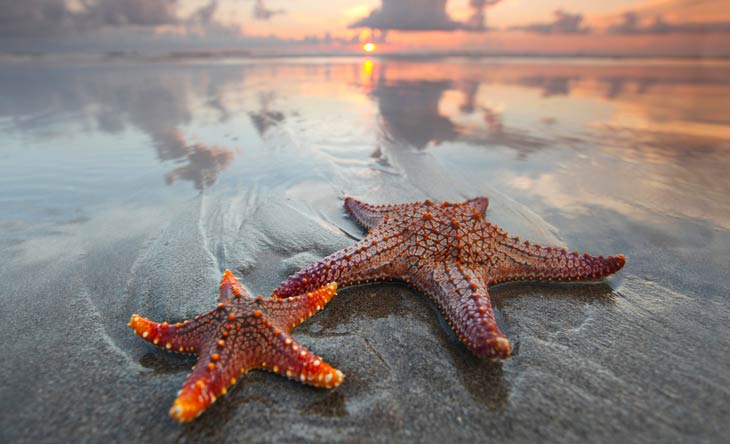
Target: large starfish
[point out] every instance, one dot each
(240, 334)
(452, 254)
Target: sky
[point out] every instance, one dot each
(640, 27)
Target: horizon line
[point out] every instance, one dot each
(250, 54)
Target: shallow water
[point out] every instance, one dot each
(129, 186)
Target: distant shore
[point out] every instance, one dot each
(248, 54)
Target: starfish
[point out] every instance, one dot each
(242, 333)
(451, 253)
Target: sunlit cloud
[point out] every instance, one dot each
(632, 24)
(422, 15)
(478, 17)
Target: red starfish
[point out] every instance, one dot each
(240, 334)
(452, 254)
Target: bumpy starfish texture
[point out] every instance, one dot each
(452, 254)
(242, 333)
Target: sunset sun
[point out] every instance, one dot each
(369, 47)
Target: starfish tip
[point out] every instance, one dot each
(228, 278)
(339, 377)
(140, 325)
(503, 347)
(183, 412)
(494, 348)
(616, 263)
(191, 401)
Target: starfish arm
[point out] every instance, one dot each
(479, 204)
(368, 260)
(367, 215)
(463, 298)
(525, 261)
(294, 310)
(288, 358)
(230, 288)
(216, 371)
(181, 337)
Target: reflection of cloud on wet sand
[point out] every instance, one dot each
(419, 103)
(424, 103)
(139, 99)
(413, 112)
(203, 163)
(264, 118)
(643, 140)
(648, 173)
(410, 112)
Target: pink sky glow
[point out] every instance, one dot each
(642, 27)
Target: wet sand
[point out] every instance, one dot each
(129, 187)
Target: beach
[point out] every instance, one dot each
(129, 185)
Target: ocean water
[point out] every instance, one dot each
(129, 185)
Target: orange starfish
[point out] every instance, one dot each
(240, 334)
(452, 254)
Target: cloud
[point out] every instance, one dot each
(476, 21)
(628, 25)
(158, 106)
(262, 12)
(39, 18)
(422, 15)
(204, 14)
(35, 17)
(132, 12)
(564, 23)
(631, 24)
(47, 18)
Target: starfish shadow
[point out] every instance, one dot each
(361, 300)
(483, 379)
(332, 405)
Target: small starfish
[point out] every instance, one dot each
(240, 334)
(452, 254)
